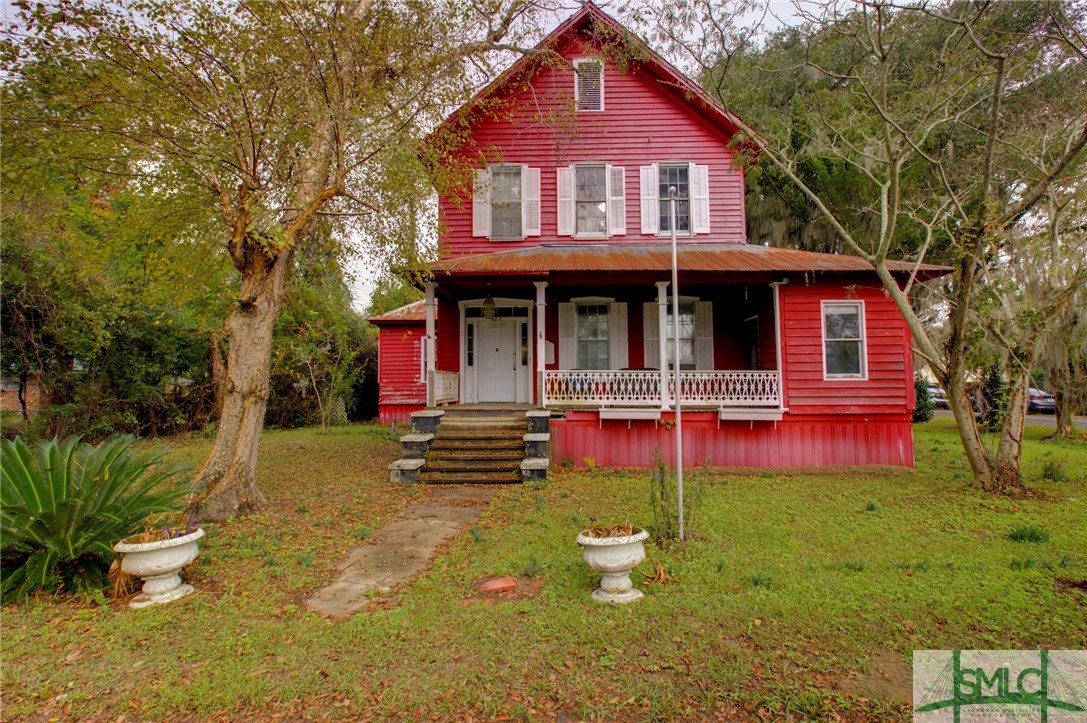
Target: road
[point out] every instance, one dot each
(1041, 420)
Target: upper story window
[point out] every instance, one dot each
(692, 185)
(591, 200)
(676, 176)
(506, 202)
(589, 84)
(843, 340)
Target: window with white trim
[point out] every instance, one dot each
(695, 334)
(679, 177)
(591, 200)
(843, 340)
(589, 84)
(592, 336)
(692, 185)
(506, 202)
(687, 359)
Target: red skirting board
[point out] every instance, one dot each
(793, 442)
(388, 413)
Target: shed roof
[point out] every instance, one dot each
(629, 257)
(407, 314)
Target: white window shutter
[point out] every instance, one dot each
(481, 203)
(650, 207)
(617, 201)
(703, 329)
(567, 336)
(617, 335)
(650, 324)
(700, 199)
(566, 179)
(530, 200)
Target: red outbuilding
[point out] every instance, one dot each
(552, 292)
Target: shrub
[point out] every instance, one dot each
(64, 504)
(922, 412)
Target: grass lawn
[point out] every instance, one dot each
(797, 587)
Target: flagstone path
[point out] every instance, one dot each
(401, 550)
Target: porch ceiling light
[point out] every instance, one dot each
(488, 307)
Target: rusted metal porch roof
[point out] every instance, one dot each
(626, 257)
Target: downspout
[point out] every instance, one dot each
(776, 286)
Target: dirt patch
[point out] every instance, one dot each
(888, 678)
(1069, 584)
(526, 588)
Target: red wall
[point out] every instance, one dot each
(889, 386)
(400, 392)
(790, 443)
(640, 124)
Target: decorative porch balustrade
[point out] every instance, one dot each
(570, 388)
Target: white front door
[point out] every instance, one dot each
(497, 360)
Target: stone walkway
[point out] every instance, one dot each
(400, 550)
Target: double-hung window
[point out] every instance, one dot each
(695, 330)
(686, 330)
(591, 200)
(692, 184)
(506, 202)
(592, 336)
(678, 177)
(843, 340)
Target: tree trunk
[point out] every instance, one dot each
(1007, 477)
(966, 423)
(228, 480)
(1063, 417)
(218, 369)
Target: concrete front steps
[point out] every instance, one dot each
(474, 444)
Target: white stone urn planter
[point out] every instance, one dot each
(614, 558)
(159, 563)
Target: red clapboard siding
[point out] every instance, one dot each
(640, 124)
(790, 443)
(889, 386)
(401, 389)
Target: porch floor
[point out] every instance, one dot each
(490, 407)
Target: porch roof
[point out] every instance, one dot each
(657, 257)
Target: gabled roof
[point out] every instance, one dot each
(590, 16)
(657, 257)
(407, 314)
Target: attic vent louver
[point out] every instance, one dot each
(590, 84)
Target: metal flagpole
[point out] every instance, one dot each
(675, 357)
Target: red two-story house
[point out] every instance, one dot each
(553, 287)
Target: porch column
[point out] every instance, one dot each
(776, 286)
(662, 340)
(541, 344)
(431, 346)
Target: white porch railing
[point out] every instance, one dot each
(643, 388)
(443, 388)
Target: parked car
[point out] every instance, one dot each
(1040, 401)
(937, 396)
